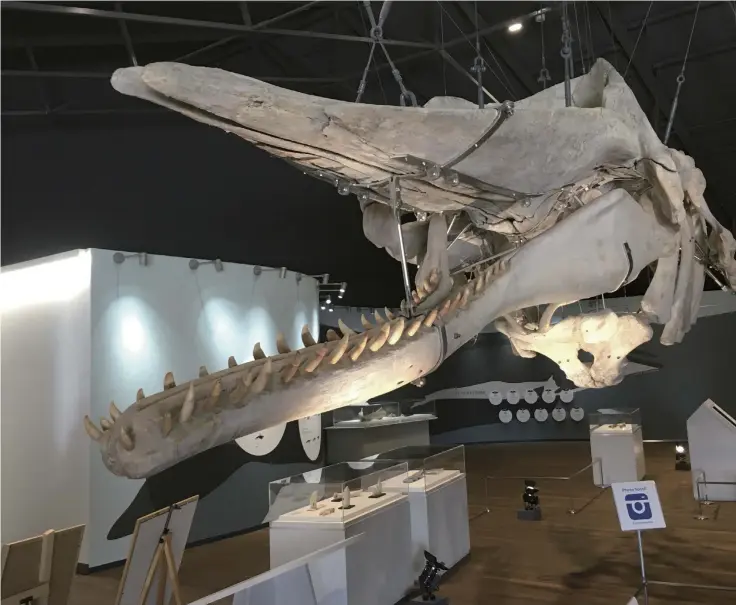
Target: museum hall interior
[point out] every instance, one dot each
(368, 303)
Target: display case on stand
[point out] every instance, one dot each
(616, 446)
(310, 511)
(362, 430)
(438, 497)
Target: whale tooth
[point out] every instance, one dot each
(169, 382)
(114, 411)
(455, 302)
(434, 278)
(314, 362)
(126, 438)
(421, 291)
(431, 317)
(203, 371)
(415, 297)
(281, 345)
(238, 395)
(307, 337)
(258, 351)
(105, 424)
(390, 316)
(358, 349)
(379, 320)
(380, 340)
(427, 288)
(444, 310)
(262, 379)
(479, 281)
(168, 424)
(231, 362)
(92, 429)
(288, 373)
(365, 323)
(214, 395)
(343, 328)
(339, 350)
(465, 297)
(141, 395)
(332, 336)
(403, 306)
(414, 326)
(188, 406)
(397, 329)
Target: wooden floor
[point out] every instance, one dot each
(581, 559)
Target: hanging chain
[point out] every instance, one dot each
(566, 54)
(680, 79)
(544, 72)
(636, 44)
(376, 34)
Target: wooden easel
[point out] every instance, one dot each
(162, 563)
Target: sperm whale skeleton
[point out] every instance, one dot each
(518, 207)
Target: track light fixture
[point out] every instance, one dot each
(119, 258)
(194, 264)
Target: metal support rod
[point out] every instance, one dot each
(396, 203)
(448, 57)
(566, 54)
(234, 27)
(643, 570)
(127, 40)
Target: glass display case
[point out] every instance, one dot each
(428, 465)
(367, 415)
(615, 420)
(336, 493)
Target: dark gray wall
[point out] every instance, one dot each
(702, 366)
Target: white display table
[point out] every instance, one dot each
(711, 435)
(439, 517)
(621, 450)
(377, 570)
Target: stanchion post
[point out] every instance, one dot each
(643, 569)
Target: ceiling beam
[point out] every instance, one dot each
(91, 75)
(526, 80)
(233, 27)
(664, 17)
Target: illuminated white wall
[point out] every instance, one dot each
(45, 366)
(148, 320)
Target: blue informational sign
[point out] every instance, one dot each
(638, 506)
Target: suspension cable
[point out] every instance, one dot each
(580, 39)
(406, 97)
(478, 65)
(681, 78)
(543, 72)
(566, 54)
(636, 44)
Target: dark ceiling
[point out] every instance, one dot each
(86, 167)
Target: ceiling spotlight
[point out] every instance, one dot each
(343, 287)
(322, 307)
(515, 27)
(339, 295)
(328, 301)
(331, 309)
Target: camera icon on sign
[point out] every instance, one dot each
(638, 507)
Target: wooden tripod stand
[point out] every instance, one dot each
(162, 563)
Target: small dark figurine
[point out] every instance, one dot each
(531, 511)
(429, 579)
(531, 500)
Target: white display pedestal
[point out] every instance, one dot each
(621, 451)
(377, 570)
(357, 440)
(711, 435)
(439, 518)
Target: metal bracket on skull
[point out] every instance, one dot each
(433, 171)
